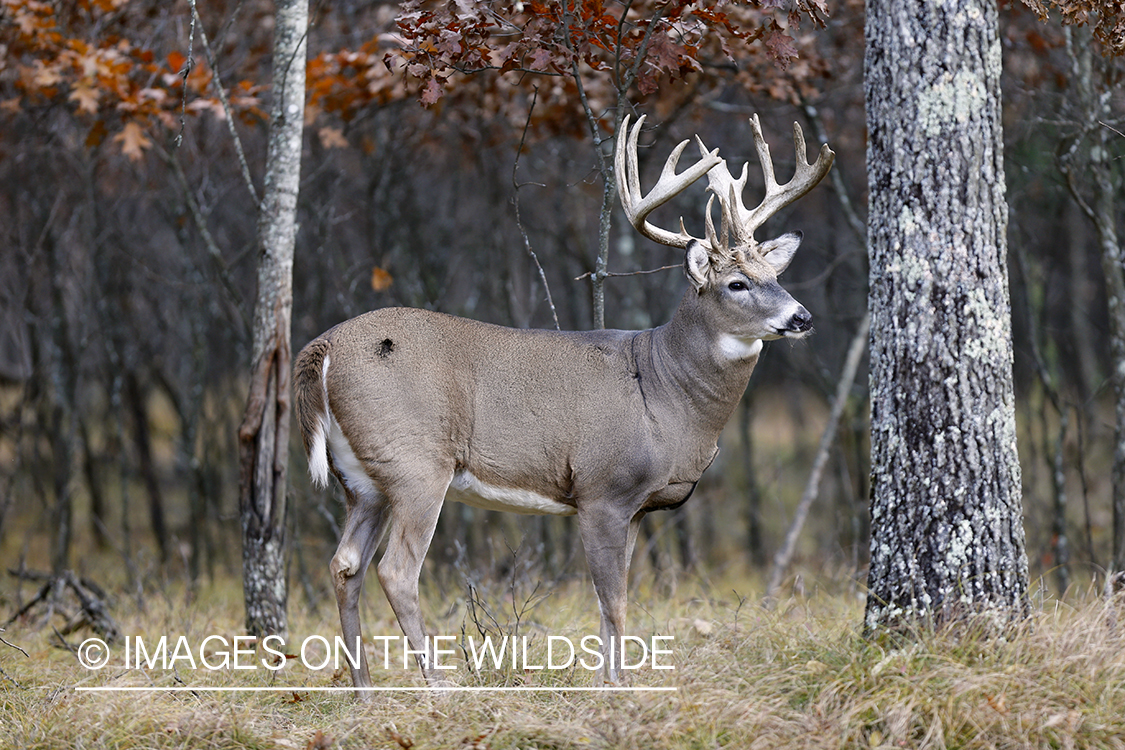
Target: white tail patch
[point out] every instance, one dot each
(348, 464)
(327, 436)
(318, 452)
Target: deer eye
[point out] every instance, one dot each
(737, 286)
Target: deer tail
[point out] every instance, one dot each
(310, 380)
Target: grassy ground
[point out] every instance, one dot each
(797, 676)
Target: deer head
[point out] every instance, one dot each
(734, 272)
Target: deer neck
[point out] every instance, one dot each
(691, 362)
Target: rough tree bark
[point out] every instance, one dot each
(264, 434)
(947, 533)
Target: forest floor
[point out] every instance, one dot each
(798, 675)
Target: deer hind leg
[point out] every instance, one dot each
(608, 536)
(410, 528)
(349, 565)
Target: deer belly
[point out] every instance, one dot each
(466, 488)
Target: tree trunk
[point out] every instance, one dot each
(1092, 89)
(63, 419)
(754, 535)
(264, 434)
(947, 534)
(142, 440)
(1113, 264)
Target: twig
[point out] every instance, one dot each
(12, 645)
(608, 274)
(474, 601)
(66, 645)
(189, 65)
(858, 225)
(226, 106)
(819, 279)
(90, 599)
(9, 678)
(516, 185)
(4, 674)
(812, 488)
(208, 240)
(43, 591)
(1110, 127)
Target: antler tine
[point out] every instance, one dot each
(805, 178)
(717, 242)
(670, 184)
(729, 192)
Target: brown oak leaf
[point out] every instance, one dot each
(133, 141)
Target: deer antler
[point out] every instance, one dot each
(670, 184)
(736, 218)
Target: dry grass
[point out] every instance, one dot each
(801, 676)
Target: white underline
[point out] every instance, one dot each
(418, 689)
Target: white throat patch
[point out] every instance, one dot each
(735, 348)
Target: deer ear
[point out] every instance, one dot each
(697, 261)
(780, 251)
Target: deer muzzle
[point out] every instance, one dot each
(800, 324)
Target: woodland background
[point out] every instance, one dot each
(128, 247)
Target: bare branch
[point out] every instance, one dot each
(857, 224)
(189, 64)
(588, 274)
(12, 645)
(516, 203)
(226, 106)
(208, 241)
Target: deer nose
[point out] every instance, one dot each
(801, 321)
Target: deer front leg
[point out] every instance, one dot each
(410, 528)
(349, 567)
(608, 536)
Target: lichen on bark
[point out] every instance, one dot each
(947, 533)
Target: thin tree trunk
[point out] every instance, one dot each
(143, 442)
(64, 432)
(685, 541)
(264, 434)
(1083, 338)
(1053, 450)
(1094, 108)
(946, 517)
(754, 544)
(784, 555)
(98, 510)
(1113, 265)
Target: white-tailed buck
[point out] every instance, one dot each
(410, 407)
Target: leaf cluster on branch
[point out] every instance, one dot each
(88, 57)
(1106, 19)
(639, 43)
(109, 64)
